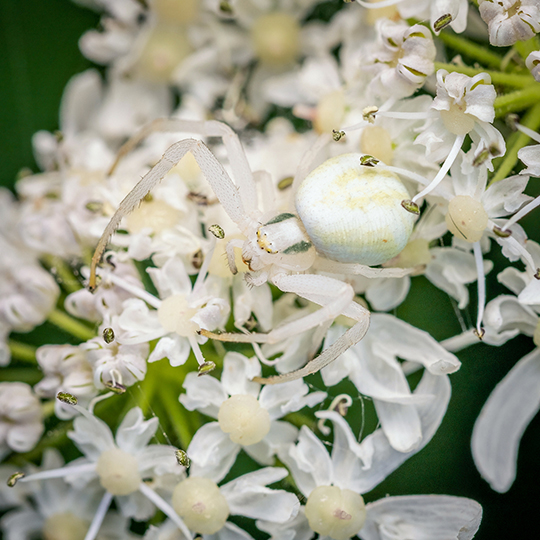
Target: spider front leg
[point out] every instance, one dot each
(335, 297)
(224, 188)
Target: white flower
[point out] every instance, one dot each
(401, 60)
(177, 318)
(530, 155)
(65, 369)
(465, 106)
(247, 415)
(115, 363)
(27, 292)
(510, 20)
(333, 486)
(533, 63)
(118, 465)
(21, 423)
(373, 368)
(57, 510)
(205, 507)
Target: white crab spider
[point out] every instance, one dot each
(351, 211)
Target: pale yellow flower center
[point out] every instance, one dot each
(466, 218)
(243, 418)
(118, 472)
(201, 505)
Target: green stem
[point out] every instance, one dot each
(471, 49)
(298, 419)
(177, 416)
(515, 143)
(22, 351)
(63, 273)
(70, 325)
(497, 77)
(524, 48)
(517, 101)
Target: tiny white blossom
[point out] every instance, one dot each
(21, 423)
(533, 63)
(510, 20)
(248, 415)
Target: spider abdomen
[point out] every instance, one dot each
(352, 212)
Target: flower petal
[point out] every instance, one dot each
(422, 517)
(502, 421)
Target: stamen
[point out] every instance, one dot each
(196, 350)
(99, 516)
(60, 473)
(525, 255)
(444, 169)
(459, 342)
(97, 399)
(150, 299)
(206, 264)
(168, 510)
(341, 404)
(522, 213)
(528, 131)
(481, 288)
(377, 5)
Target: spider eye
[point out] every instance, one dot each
(353, 213)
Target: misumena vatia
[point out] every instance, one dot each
(349, 215)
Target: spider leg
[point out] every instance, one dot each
(242, 174)
(326, 265)
(224, 188)
(334, 296)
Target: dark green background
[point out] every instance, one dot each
(38, 55)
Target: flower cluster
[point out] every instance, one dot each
(263, 228)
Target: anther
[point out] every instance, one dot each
(115, 387)
(537, 275)
(368, 161)
(442, 22)
(410, 206)
(66, 398)
(182, 458)
(337, 135)
(368, 113)
(14, 478)
(479, 333)
(501, 233)
(206, 367)
(217, 231)
(108, 335)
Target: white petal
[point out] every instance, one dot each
(401, 424)
(388, 293)
(173, 347)
(409, 343)
(248, 496)
(503, 419)
(212, 452)
(281, 434)
(308, 462)
(134, 433)
(237, 372)
(280, 399)
(229, 531)
(422, 517)
(385, 458)
(205, 394)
